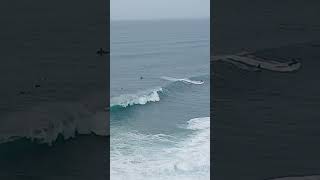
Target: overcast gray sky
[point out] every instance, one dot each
(159, 9)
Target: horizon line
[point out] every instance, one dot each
(160, 19)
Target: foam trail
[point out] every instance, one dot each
(185, 80)
(252, 60)
(139, 98)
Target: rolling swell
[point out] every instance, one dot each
(150, 95)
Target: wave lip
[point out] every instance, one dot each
(184, 80)
(139, 98)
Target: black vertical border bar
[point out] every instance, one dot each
(108, 83)
(211, 92)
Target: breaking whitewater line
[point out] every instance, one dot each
(139, 98)
(184, 80)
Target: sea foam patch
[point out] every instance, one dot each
(160, 156)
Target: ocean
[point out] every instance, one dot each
(266, 120)
(160, 99)
(54, 90)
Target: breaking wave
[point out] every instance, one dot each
(147, 96)
(140, 98)
(43, 123)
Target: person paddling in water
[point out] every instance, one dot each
(258, 68)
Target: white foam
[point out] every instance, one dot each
(141, 98)
(252, 60)
(185, 80)
(136, 156)
(199, 123)
(45, 122)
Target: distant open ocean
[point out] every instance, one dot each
(160, 101)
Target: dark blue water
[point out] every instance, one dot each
(160, 99)
(53, 123)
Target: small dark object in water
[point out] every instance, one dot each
(258, 68)
(141, 77)
(37, 85)
(101, 52)
(22, 92)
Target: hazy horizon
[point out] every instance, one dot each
(163, 19)
(159, 10)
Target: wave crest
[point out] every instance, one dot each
(184, 80)
(140, 98)
(44, 123)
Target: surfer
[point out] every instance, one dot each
(101, 52)
(141, 78)
(258, 68)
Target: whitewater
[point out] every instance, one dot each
(45, 122)
(176, 158)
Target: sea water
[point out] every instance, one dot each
(160, 102)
